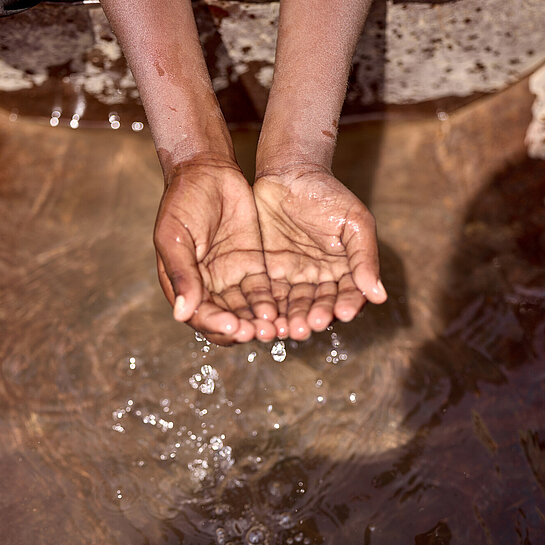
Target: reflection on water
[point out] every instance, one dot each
(421, 421)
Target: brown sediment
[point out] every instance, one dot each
(329, 134)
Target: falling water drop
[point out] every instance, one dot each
(278, 351)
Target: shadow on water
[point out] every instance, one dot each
(450, 444)
(472, 467)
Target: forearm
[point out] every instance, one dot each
(316, 41)
(160, 41)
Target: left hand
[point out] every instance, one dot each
(320, 249)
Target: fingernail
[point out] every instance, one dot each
(179, 305)
(379, 289)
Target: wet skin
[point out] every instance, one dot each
(320, 249)
(216, 251)
(209, 255)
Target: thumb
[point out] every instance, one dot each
(179, 274)
(360, 241)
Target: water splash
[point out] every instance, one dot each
(278, 351)
(205, 381)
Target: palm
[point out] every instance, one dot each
(209, 252)
(320, 250)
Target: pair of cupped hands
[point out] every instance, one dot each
(281, 258)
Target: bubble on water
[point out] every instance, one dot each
(251, 357)
(220, 536)
(352, 397)
(118, 414)
(256, 535)
(118, 428)
(198, 469)
(299, 537)
(319, 383)
(320, 399)
(285, 521)
(278, 351)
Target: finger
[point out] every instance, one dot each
(244, 334)
(180, 265)
(360, 240)
(300, 299)
(237, 303)
(265, 331)
(280, 292)
(164, 281)
(246, 331)
(349, 299)
(257, 290)
(321, 312)
(211, 318)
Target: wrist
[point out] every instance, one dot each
(308, 156)
(204, 159)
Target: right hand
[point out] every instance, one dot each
(209, 253)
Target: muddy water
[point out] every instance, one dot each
(423, 421)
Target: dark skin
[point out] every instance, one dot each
(216, 263)
(319, 246)
(300, 249)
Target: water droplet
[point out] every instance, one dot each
(216, 443)
(278, 351)
(198, 469)
(208, 386)
(199, 337)
(209, 371)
